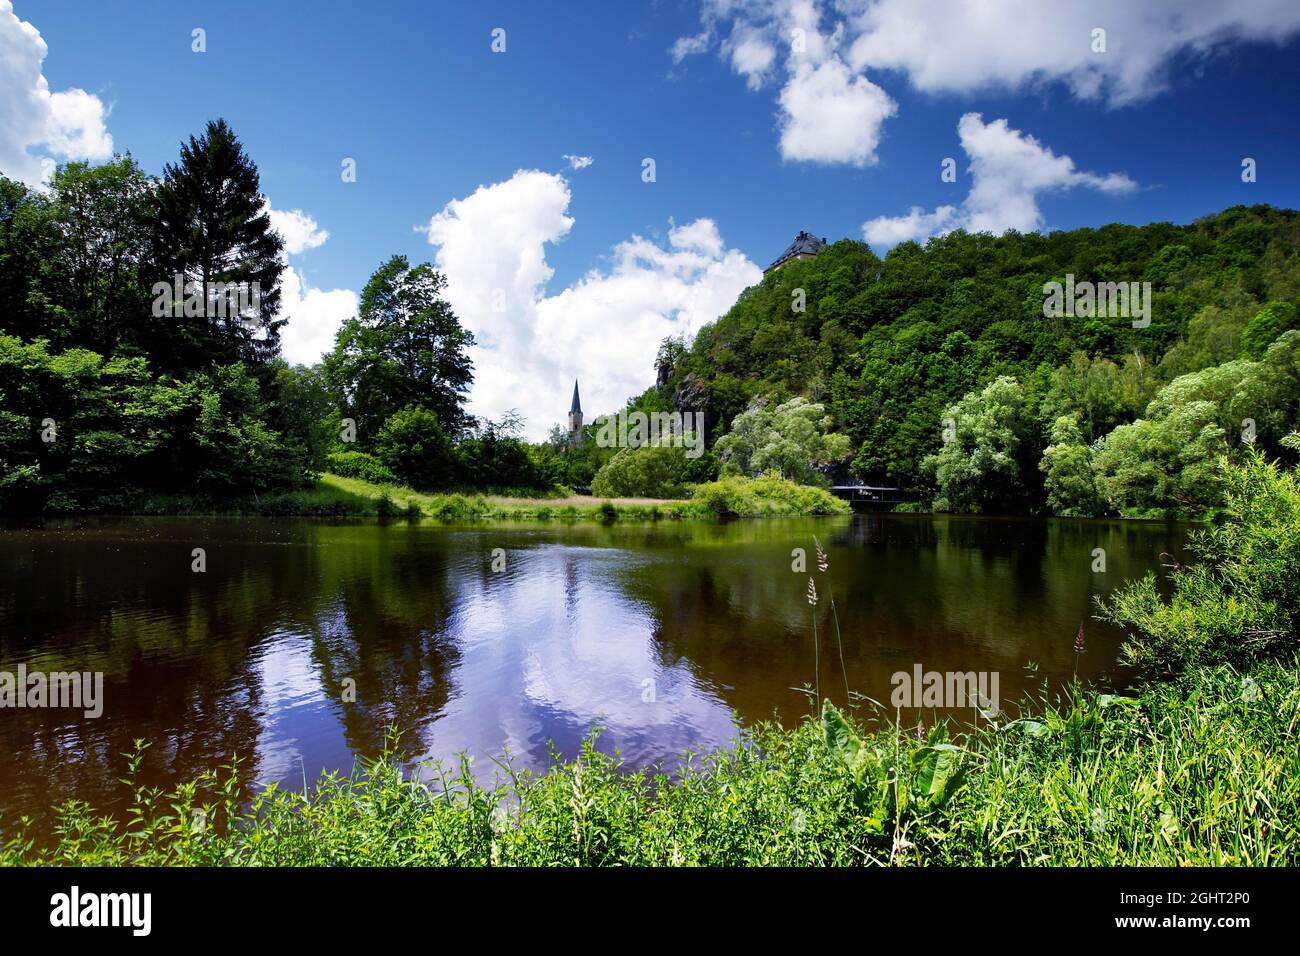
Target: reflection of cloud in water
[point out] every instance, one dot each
(545, 660)
(297, 721)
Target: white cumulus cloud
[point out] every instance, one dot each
(603, 330)
(313, 315)
(37, 127)
(960, 46)
(299, 231)
(828, 111)
(1009, 171)
(831, 115)
(821, 52)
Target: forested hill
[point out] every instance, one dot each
(890, 345)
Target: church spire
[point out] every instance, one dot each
(575, 416)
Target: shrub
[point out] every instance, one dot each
(414, 446)
(1241, 599)
(650, 471)
(769, 494)
(357, 464)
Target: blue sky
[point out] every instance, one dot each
(762, 118)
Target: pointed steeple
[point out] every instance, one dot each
(575, 416)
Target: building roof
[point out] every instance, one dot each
(805, 244)
(577, 405)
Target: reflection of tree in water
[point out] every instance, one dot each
(181, 651)
(951, 593)
(174, 648)
(388, 633)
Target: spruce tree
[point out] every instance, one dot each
(212, 227)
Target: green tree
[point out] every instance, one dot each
(793, 438)
(405, 348)
(302, 409)
(649, 471)
(30, 258)
(104, 216)
(981, 464)
(492, 454)
(1099, 393)
(1068, 473)
(211, 226)
(1265, 327)
(1165, 465)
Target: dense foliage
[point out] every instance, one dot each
(934, 368)
(139, 354)
(949, 341)
(1241, 599)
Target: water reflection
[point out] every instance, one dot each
(304, 641)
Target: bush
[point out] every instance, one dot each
(769, 494)
(650, 471)
(357, 464)
(1242, 599)
(413, 445)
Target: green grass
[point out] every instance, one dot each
(337, 496)
(1202, 772)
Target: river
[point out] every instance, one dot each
(300, 641)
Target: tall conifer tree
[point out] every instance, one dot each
(212, 227)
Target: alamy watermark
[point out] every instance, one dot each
(951, 690)
(221, 300)
(1129, 300)
(36, 689)
(670, 429)
(74, 909)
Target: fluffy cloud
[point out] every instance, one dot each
(313, 315)
(831, 112)
(831, 115)
(604, 330)
(298, 230)
(58, 126)
(1008, 172)
(917, 224)
(577, 162)
(958, 46)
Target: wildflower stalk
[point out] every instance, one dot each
(823, 564)
(817, 671)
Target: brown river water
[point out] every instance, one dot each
(303, 640)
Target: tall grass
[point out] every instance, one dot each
(1202, 772)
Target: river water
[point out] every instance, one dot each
(301, 641)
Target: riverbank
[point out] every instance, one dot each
(1196, 773)
(336, 496)
(1197, 766)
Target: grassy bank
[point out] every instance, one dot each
(1202, 772)
(337, 496)
(1200, 767)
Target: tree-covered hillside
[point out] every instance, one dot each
(892, 346)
